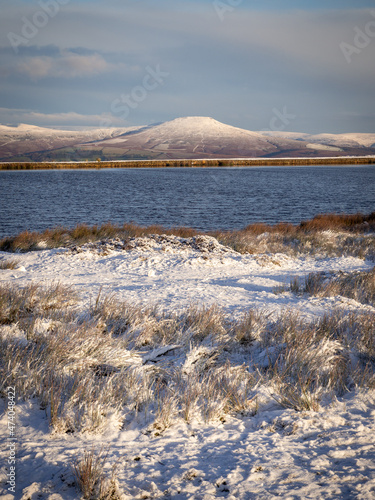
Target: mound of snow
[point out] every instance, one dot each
(157, 243)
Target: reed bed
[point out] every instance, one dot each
(326, 234)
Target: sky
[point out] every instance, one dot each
(290, 65)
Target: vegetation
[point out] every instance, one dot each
(328, 234)
(126, 362)
(8, 264)
(115, 363)
(58, 160)
(89, 473)
(359, 285)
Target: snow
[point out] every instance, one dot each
(276, 453)
(350, 140)
(24, 128)
(323, 147)
(201, 125)
(176, 272)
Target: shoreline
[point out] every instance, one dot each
(60, 236)
(186, 163)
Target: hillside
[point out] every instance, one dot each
(32, 143)
(183, 138)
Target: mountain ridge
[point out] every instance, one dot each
(182, 138)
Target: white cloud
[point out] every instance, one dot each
(93, 52)
(36, 67)
(70, 119)
(67, 65)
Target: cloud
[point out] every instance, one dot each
(68, 65)
(17, 116)
(262, 55)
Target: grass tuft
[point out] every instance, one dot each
(91, 478)
(358, 285)
(8, 264)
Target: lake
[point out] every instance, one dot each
(203, 198)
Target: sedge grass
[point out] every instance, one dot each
(129, 362)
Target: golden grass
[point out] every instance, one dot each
(120, 360)
(8, 264)
(349, 235)
(359, 285)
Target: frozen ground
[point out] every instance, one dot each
(176, 272)
(277, 453)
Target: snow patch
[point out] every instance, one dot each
(157, 243)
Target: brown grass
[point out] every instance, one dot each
(91, 478)
(358, 285)
(18, 304)
(123, 360)
(82, 233)
(8, 264)
(348, 236)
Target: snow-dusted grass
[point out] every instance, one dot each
(124, 360)
(8, 264)
(328, 234)
(359, 286)
(91, 479)
(166, 365)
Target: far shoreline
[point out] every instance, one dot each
(188, 163)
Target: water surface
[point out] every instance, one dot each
(203, 198)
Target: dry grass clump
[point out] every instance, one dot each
(326, 355)
(83, 233)
(337, 222)
(91, 478)
(250, 327)
(295, 241)
(117, 362)
(357, 285)
(21, 304)
(148, 327)
(325, 234)
(8, 264)
(200, 322)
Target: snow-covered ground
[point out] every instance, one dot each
(278, 453)
(163, 271)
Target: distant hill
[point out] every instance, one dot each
(37, 143)
(189, 138)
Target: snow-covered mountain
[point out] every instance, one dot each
(188, 137)
(204, 137)
(21, 141)
(195, 137)
(351, 140)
